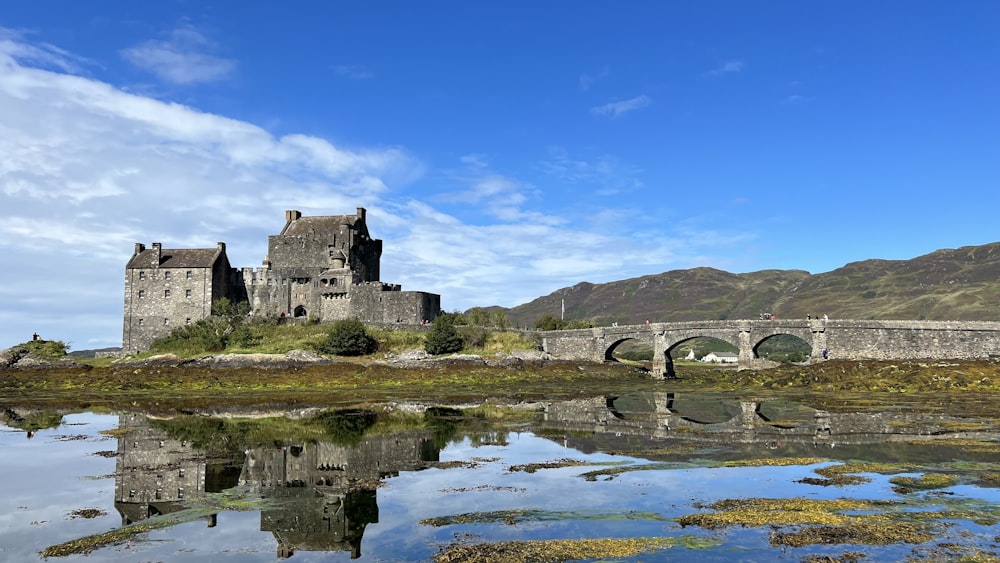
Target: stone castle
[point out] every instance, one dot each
(324, 268)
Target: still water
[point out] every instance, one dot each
(308, 486)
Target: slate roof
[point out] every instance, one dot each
(324, 225)
(175, 258)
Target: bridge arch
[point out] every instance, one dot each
(844, 339)
(609, 352)
(795, 348)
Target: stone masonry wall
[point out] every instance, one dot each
(159, 300)
(844, 339)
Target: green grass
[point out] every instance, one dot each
(269, 338)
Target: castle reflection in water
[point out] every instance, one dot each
(320, 495)
(328, 489)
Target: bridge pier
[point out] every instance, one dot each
(846, 339)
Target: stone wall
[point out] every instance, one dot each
(324, 268)
(158, 300)
(842, 339)
(380, 303)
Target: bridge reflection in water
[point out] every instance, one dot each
(828, 339)
(318, 492)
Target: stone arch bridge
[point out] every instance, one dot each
(844, 339)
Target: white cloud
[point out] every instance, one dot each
(88, 170)
(493, 193)
(181, 59)
(13, 44)
(607, 174)
(728, 67)
(617, 109)
(795, 99)
(587, 79)
(355, 72)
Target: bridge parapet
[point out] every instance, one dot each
(840, 339)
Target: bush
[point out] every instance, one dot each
(349, 337)
(205, 335)
(52, 349)
(443, 337)
(473, 336)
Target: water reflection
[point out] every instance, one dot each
(645, 424)
(326, 491)
(316, 479)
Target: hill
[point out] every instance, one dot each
(949, 284)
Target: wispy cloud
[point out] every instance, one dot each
(728, 67)
(618, 109)
(795, 99)
(588, 79)
(13, 44)
(183, 58)
(606, 173)
(354, 72)
(494, 193)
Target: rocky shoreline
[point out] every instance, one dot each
(20, 358)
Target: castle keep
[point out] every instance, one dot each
(325, 268)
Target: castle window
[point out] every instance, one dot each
(333, 281)
(166, 321)
(142, 293)
(166, 293)
(140, 322)
(142, 275)
(187, 293)
(166, 275)
(188, 274)
(187, 321)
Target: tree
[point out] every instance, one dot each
(548, 322)
(349, 337)
(443, 337)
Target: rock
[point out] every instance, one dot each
(531, 355)
(461, 359)
(159, 360)
(10, 356)
(306, 356)
(290, 359)
(410, 356)
(509, 362)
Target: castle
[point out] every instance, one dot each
(324, 268)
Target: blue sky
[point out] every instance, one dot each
(503, 149)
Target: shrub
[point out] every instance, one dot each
(473, 336)
(46, 348)
(443, 337)
(205, 335)
(349, 337)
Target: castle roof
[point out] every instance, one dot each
(323, 225)
(174, 258)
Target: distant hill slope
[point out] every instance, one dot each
(951, 284)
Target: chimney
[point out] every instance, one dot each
(361, 214)
(139, 247)
(221, 246)
(292, 215)
(158, 249)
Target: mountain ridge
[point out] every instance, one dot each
(946, 284)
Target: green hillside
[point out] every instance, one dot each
(951, 284)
